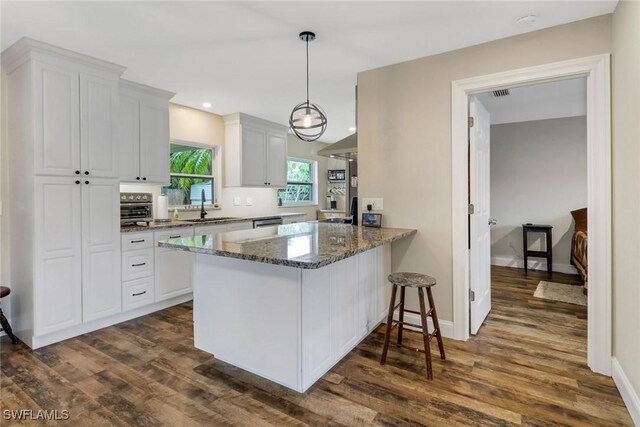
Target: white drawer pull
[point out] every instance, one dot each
(139, 293)
(139, 265)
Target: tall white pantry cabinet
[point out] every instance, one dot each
(63, 190)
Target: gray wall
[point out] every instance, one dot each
(538, 175)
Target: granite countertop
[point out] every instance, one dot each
(156, 225)
(306, 245)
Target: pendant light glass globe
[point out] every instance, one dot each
(308, 121)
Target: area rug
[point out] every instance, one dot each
(571, 294)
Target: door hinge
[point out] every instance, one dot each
(471, 122)
(472, 295)
(471, 209)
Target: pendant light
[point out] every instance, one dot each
(308, 121)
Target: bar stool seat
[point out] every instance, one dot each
(4, 291)
(421, 282)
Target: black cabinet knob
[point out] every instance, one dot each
(144, 179)
(77, 182)
(138, 178)
(86, 182)
(77, 172)
(86, 172)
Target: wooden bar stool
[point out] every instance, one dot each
(419, 281)
(4, 291)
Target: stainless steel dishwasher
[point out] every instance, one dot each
(267, 222)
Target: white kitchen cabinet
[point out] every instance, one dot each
(201, 230)
(74, 120)
(173, 269)
(255, 152)
(57, 281)
(292, 219)
(137, 293)
(143, 128)
(137, 264)
(101, 284)
(138, 256)
(62, 182)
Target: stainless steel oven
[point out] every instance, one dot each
(136, 207)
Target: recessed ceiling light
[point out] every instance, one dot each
(352, 128)
(206, 104)
(526, 20)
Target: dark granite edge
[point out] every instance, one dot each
(308, 265)
(182, 223)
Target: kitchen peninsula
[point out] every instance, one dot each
(288, 302)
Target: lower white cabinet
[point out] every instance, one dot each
(137, 293)
(243, 225)
(77, 275)
(201, 230)
(293, 219)
(137, 264)
(173, 269)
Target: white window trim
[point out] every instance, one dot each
(314, 183)
(216, 164)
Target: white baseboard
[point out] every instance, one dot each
(446, 326)
(41, 341)
(533, 264)
(630, 396)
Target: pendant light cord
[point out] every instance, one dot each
(307, 71)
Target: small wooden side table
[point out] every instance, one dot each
(547, 253)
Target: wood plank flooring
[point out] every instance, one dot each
(527, 366)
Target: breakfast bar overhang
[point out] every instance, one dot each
(288, 302)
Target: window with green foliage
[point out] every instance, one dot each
(301, 183)
(191, 168)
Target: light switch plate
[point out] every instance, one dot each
(237, 201)
(249, 201)
(376, 203)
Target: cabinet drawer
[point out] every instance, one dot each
(210, 229)
(174, 233)
(137, 264)
(133, 241)
(137, 293)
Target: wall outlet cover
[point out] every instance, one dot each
(249, 201)
(237, 201)
(376, 203)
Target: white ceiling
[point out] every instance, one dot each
(246, 56)
(564, 98)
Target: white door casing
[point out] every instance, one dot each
(597, 70)
(480, 198)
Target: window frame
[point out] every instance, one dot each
(215, 172)
(314, 182)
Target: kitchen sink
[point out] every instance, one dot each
(216, 219)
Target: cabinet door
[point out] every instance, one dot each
(210, 229)
(154, 141)
(98, 110)
(101, 282)
(344, 287)
(57, 123)
(276, 159)
(58, 248)
(173, 269)
(243, 225)
(129, 138)
(253, 156)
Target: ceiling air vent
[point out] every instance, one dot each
(499, 93)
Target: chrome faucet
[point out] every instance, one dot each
(203, 213)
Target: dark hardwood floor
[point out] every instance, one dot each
(527, 366)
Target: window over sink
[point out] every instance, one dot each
(192, 169)
(302, 183)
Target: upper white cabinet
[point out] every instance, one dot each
(75, 106)
(143, 133)
(256, 152)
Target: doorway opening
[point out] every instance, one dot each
(528, 181)
(596, 71)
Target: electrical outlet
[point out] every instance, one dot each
(249, 201)
(237, 201)
(375, 202)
